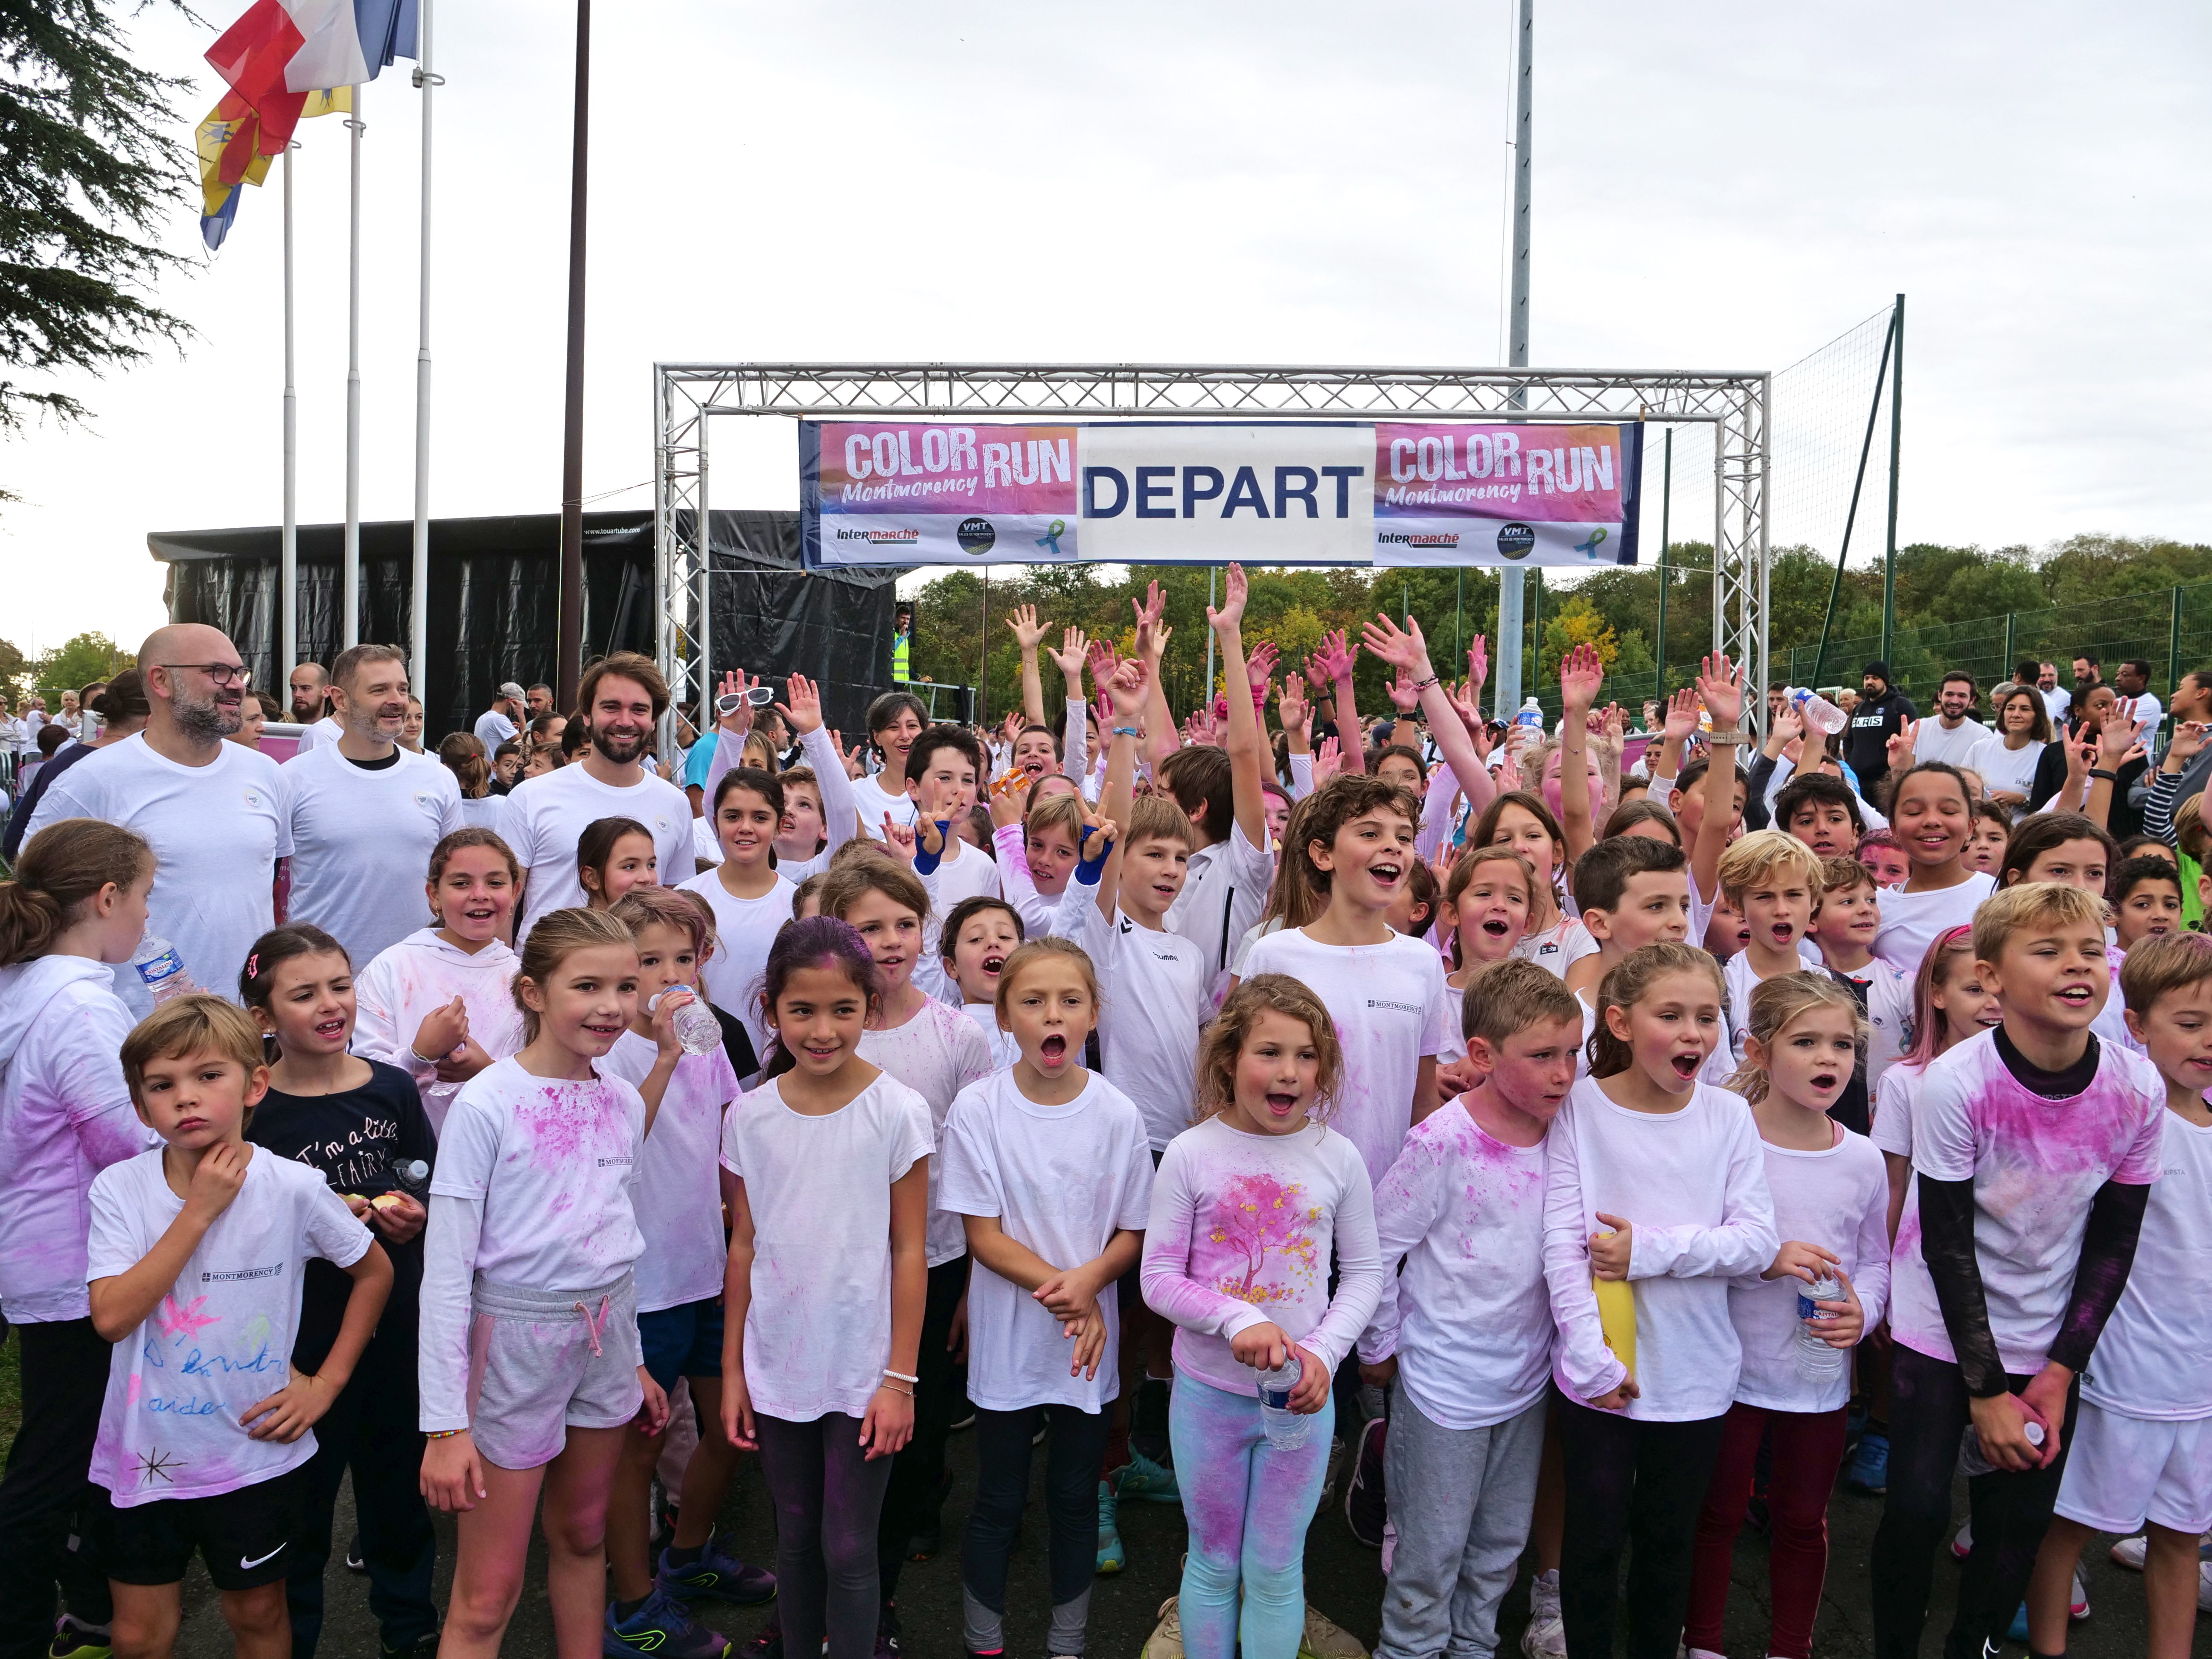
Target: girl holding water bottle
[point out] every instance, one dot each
(1801, 1317)
(1247, 1208)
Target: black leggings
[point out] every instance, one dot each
(1073, 1447)
(1929, 1414)
(1640, 1483)
(917, 1493)
(827, 1498)
(64, 1378)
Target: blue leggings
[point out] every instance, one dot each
(1248, 1507)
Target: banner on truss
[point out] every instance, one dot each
(1278, 493)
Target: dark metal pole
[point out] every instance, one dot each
(1851, 518)
(568, 665)
(1666, 509)
(1896, 416)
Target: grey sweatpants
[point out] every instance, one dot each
(1461, 1500)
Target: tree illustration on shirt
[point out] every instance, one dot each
(1258, 1216)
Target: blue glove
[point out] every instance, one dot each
(925, 861)
(1090, 863)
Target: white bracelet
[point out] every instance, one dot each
(901, 1375)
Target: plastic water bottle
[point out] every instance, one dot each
(1972, 1462)
(411, 1176)
(161, 970)
(1817, 1361)
(1817, 712)
(1531, 716)
(1287, 1430)
(697, 1030)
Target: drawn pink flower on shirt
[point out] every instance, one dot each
(187, 1320)
(1256, 1217)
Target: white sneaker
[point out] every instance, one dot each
(2204, 1586)
(1547, 1635)
(1962, 1541)
(2129, 1553)
(2077, 1609)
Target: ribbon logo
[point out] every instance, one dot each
(1591, 547)
(1051, 537)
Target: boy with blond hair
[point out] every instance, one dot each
(1843, 930)
(197, 1256)
(1774, 880)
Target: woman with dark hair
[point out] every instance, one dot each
(122, 708)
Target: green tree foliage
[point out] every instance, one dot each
(78, 662)
(86, 178)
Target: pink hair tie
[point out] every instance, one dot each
(252, 966)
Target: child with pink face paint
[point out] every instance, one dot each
(1520, 820)
(1247, 1208)
(1486, 910)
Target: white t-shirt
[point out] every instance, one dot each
(1241, 1233)
(1910, 922)
(547, 816)
(1390, 1009)
(1691, 1184)
(220, 1342)
(936, 1054)
(971, 874)
(1005, 1051)
(492, 729)
(362, 840)
(1839, 1199)
(485, 812)
(872, 801)
(1559, 946)
(2036, 1164)
(405, 985)
(2154, 1359)
(1155, 994)
(1470, 1318)
(1221, 895)
(1935, 743)
(216, 830)
(1062, 1180)
(2004, 769)
(818, 1328)
(1740, 980)
(2056, 703)
(317, 734)
(744, 931)
(678, 1199)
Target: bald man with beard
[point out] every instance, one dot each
(217, 814)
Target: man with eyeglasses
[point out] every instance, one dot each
(217, 815)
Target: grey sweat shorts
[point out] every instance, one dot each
(544, 1362)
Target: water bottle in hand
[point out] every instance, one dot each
(1818, 1361)
(697, 1030)
(411, 1176)
(1287, 1430)
(161, 970)
(1972, 1459)
(1817, 712)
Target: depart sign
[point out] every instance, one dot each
(1276, 493)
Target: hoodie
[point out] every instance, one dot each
(65, 1116)
(417, 976)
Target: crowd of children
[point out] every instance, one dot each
(1498, 1138)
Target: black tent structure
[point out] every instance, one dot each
(495, 595)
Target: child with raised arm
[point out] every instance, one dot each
(1463, 1338)
(1830, 1197)
(2142, 1442)
(1247, 1209)
(1656, 1180)
(2026, 1253)
(195, 1264)
(1049, 1165)
(1707, 795)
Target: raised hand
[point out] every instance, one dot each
(1011, 727)
(1899, 749)
(1336, 657)
(1581, 674)
(1403, 697)
(2118, 735)
(1326, 760)
(1720, 685)
(1291, 708)
(1151, 633)
(1069, 658)
(2187, 741)
(1614, 734)
(1786, 728)
(1466, 703)
(802, 704)
(1027, 629)
(1259, 666)
(1236, 591)
(1103, 659)
(1402, 649)
(898, 839)
(1124, 694)
(1681, 716)
(738, 721)
(1478, 662)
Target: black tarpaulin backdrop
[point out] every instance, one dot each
(494, 597)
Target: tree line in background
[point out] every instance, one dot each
(1942, 594)
(70, 666)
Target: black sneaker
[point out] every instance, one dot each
(422, 1646)
(1365, 1509)
(354, 1563)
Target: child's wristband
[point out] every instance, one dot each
(443, 1434)
(903, 1376)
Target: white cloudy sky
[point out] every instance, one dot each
(1718, 185)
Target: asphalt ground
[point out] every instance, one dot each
(1343, 1579)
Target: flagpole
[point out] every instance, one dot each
(350, 615)
(418, 610)
(287, 632)
(569, 663)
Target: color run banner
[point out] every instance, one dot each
(1281, 493)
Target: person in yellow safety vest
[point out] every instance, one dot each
(901, 643)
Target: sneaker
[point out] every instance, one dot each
(769, 1644)
(2128, 1552)
(1141, 1477)
(663, 1629)
(75, 1639)
(354, 1563)
(1869, 1466)
(925, 1544)
(887, 1636)
(2077, 1606)
(1365, 1510)
(1962, 1541)
(1112, 1558)
(965, 1421)
(422, 1646)
(2204, 1586)
(1329, 1475)
(1325, 1639)
(718, 1574)
(1546, 1637)
(1166, 1639)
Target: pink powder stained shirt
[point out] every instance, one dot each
(1241, 1232)
(2036, 1164)
(421, 974)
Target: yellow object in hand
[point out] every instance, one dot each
(1616, 1312)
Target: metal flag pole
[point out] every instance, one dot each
(568, 665)
(1507, 656)
(287, 626)
(349, 603)
(418, 600)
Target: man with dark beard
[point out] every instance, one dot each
(217, 815)
(621, 700)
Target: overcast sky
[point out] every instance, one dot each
(1717, 186)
